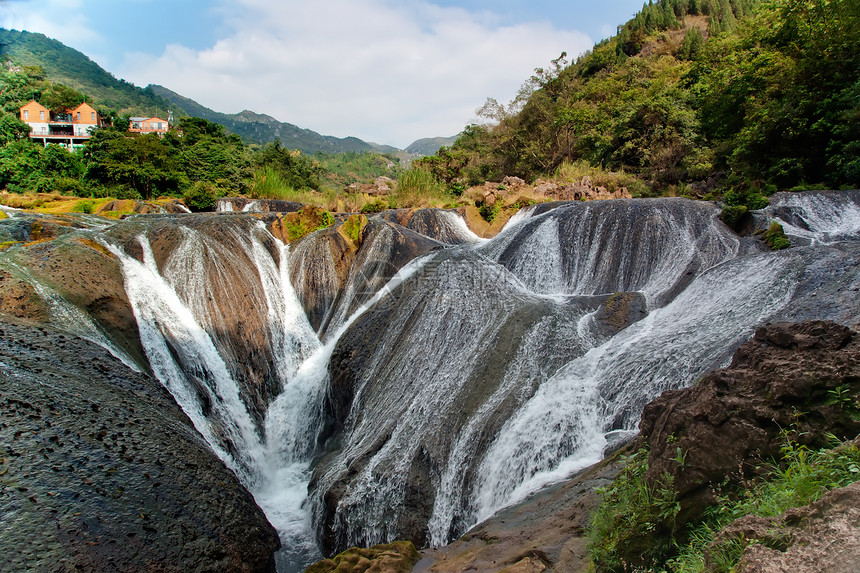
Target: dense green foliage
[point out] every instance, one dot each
(639, 520)
(342, 169)
(759, 91)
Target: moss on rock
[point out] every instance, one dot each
(397, 557)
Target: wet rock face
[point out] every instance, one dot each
(101, 471)
(257, 205)
(333, 274)
(802, 377)
(85, 274)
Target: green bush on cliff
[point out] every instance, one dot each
(735, 216)
(202, 196)
(633, 525)
(631, 528)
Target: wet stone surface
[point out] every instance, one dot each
(101, 471)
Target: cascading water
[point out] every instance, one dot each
(180, 323)
(457, 407)
(428, 395)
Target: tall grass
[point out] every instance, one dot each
(574, 171)
(419, 188)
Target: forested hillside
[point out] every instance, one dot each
(72, 68)
(749, 94)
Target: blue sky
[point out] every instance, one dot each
(384, 71)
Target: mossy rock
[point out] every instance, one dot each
(353, 228)
(397, 557)
(294, 226)
(775, 237)
(735, 217)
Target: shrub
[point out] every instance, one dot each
(419, 188)
(375, 206)
(83, 207)
(753, 200)
(202, 196)
(735, 216)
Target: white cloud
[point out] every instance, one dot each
(380, 70)
(63, 20)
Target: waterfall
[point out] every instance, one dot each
(181, 309)
(414, 386)
(497, 373)
(821, 217)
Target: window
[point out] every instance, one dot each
(79, 116)
(93, 116)
(26, 114)
(42, 115)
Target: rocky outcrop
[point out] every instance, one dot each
(101, 471)
(512, 188)
(801, 378)
(129, 206)
(80, 271)
(381, 186)
(822, 536)
(257, 205)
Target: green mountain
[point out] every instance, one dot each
(74, 69)
(68, 66)
(260, 128)
(690, 97)
(429, 145)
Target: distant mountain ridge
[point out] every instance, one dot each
(430, 145)
(73, 68)
(260, 128)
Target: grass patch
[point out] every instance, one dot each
(573, 171)
(634, 527)
(419, 188)
(7, 244)
(634, 520)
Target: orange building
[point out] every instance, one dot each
(69, 129)
(148, 125)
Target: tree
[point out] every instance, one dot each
(60, 98)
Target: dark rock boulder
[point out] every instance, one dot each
(101, 471)
(801, 378)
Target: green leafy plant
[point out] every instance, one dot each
(633, 525)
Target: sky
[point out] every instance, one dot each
(385, 71)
